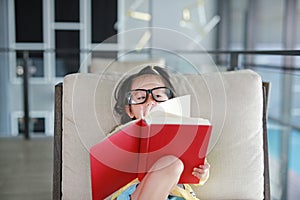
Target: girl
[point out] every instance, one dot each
(135, 97)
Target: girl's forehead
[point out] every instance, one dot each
(147, 82)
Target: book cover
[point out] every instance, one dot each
(131, 150)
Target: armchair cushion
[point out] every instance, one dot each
(232, 101)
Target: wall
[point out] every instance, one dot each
(4, 73)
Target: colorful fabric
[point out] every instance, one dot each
(125, 195)
(178, 193)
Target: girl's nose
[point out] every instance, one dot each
(151, 100)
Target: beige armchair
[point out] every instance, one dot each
(235, 103)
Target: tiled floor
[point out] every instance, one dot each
(26, 168)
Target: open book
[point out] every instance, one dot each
(130, 151)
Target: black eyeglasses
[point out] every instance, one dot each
(140, 96)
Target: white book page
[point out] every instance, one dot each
(180, 106)
(174, 111)
(167, 118)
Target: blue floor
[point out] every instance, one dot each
(294, 147)
(293, 179)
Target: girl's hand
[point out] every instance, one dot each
(201, 171)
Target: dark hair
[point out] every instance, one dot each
(125, 86)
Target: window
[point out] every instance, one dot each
(37, 125)
(36, 64)
(28, 20)
(66, 10)
(104, 17)
(67, 52)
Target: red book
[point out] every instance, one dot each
(130, 151)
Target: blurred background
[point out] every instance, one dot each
(41, 41)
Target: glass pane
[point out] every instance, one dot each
(283, 128)
(67, 52)
(104, 17)
(35, 62)
(29, 20)
(298, 27)
(275, 133)
(295, 112)
(237, 19)
(297, 45)
(37, 125)
(66, 10)
(294, 150)
(269, 19)
(269, 67)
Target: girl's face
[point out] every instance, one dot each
(144, 82)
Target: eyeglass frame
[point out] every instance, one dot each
(149, 91)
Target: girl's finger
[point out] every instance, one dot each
(205, 166)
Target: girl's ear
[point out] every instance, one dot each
(128, 111)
